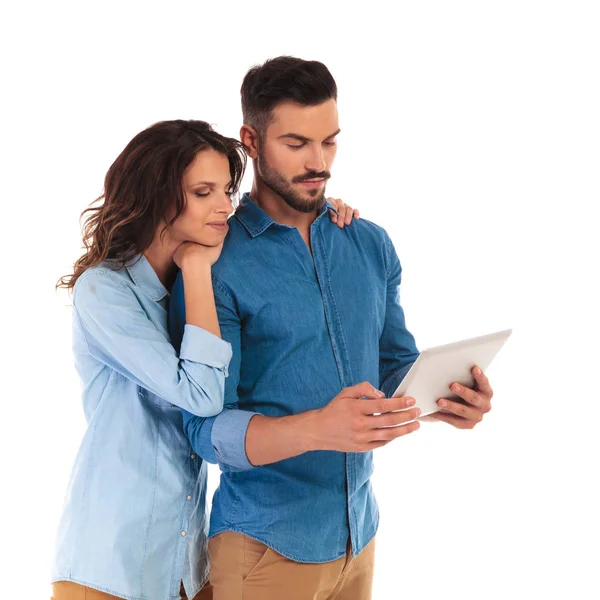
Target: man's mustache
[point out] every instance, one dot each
(311, 175)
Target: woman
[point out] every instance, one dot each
(133, 524)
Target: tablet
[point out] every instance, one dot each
(437, 368)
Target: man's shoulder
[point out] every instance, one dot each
(238, 251)
(370, 240)
(237, 242)
(364, 226)
(365, 234)
(238, 233)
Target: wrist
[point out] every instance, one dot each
(195, 265)
(305, 435)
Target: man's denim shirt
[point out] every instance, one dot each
(302, 327)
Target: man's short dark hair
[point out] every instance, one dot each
(284, 79)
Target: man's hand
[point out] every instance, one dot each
(477, 402)
(360, 419)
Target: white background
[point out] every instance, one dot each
(471, 130)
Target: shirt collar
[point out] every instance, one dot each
(256, 220)
(145, 276)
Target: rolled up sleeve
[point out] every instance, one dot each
(201, 346)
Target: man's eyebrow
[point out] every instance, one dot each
(302, 138)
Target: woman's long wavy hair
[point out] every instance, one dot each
(141, 188)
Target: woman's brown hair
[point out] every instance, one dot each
(142, 186)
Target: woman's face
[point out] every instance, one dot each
(206, 185)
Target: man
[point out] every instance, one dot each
(309, 309)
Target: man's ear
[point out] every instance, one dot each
(249, 137)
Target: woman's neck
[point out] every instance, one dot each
(160, 256)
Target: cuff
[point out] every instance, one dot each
(201, 346)
(229, 438)
(198, 431)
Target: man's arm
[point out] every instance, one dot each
(397, 353)
(397, 348)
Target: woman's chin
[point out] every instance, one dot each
(210, 240)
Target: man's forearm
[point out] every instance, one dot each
(358, 419)
(271, 439)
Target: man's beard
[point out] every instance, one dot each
(279, 184)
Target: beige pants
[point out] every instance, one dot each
(243, 568)
(67, 590)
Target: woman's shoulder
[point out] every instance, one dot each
(107, 272)
(100, 282)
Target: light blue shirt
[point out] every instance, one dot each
(134, 522)
(302, 326)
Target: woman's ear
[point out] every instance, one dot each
(249, 138)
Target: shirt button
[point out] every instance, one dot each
(183, 534)
(189, 497)
(192, 456)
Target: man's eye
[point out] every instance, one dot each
(329, 143)
(295, 147)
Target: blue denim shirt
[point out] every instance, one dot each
(302, 327)
(134, 522)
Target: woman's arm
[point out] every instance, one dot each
(120, 335)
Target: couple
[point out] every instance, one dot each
(260, 343)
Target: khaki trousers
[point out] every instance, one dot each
(242, 568)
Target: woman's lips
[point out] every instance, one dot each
(219, 226)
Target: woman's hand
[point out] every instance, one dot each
(191, 253)
(345, 213)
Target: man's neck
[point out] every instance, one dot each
(279, 210)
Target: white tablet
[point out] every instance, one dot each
(437, 368)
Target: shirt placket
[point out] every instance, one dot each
(186, 514)
(340, 351)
